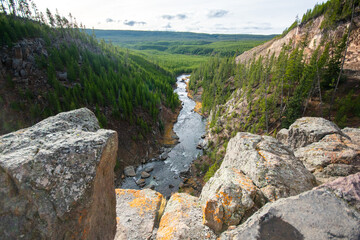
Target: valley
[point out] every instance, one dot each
(133, 134)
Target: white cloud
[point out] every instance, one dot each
(217, 13)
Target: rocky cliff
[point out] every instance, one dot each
(57, 179)
(312, 35)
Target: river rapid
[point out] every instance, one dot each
(190, 126)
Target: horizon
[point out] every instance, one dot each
(164, 31)
(258, 17)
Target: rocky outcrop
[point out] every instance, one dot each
(271, 166)
(182, 219)
(324, 149)
(322, 213)
(21, 60)
(256, 169)
(137, 213)
(56, 179)
(261, 191)
(229, 197)
(307, 130)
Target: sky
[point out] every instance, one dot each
(202, 16)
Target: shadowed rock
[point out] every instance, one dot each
(56, 179)
(277, 229)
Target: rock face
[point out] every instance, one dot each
(182, 219)
(324, 149)
(256, 169)
(315, 34)
(322, 213)
(228, 197)
(137, 213)
(56, 179)
(271, 166)
(307, 130)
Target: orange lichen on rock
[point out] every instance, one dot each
(167, 227)
(182, 219)
(245, 183)
(137, 212)
(141, 200)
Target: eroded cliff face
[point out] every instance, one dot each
(313, 36)
(57, 179)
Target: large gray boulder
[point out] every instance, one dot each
(324, 149)
(182, 219)
(137, 213)
(307, 130)
(332, 157)
(323, 213)
(270, 165)
(353, 133)
(57, 179)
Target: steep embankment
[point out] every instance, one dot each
(312, 35)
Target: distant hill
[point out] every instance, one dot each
(127, 36)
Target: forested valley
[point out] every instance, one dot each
(51, 64)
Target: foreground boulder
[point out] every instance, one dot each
(229, 197)
(256, 169)
(324, 149)
(137, 213)
(182, 219)
(57, 179)
(324, 213)
(270, 165)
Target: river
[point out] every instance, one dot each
(190, 126)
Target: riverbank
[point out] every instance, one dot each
(196, 97)
(169, 137)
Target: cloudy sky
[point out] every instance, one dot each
(206, 16)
